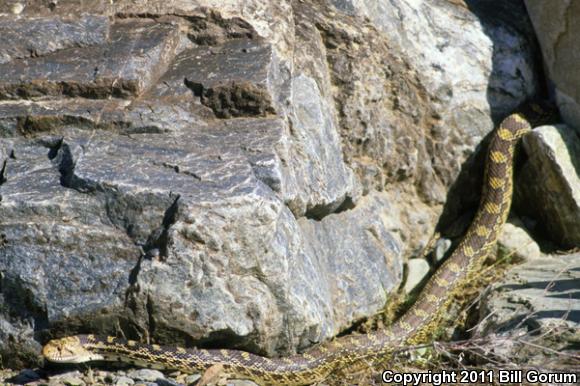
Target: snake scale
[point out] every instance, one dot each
(416, 326)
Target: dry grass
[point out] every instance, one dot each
(475, 353)
(469, 354)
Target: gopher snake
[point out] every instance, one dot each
(416, 326)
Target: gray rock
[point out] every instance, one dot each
(32, 37)
(25, 376)
(417, 270)
(467, 81)
(319, 157)
(167, 382)
(537, 302)
(191, 379)
(123, 380)
(73, 378)
(517, 243)
(138, 53)
(137, 117)
(428, 35)
(554, 154)
(341, 261)
(557, 25)
(36, 259)
(238, 382)
(176, 195)
(146, 375)
(18, 348)
(233, 79)
(441, 247)
(311, 267)
(44, 9)
(17, 8)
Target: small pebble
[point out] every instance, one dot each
(25, 376)
(239, 382)
(418, 269)
(191, 379)
(73, 381)
(67, 381)
(146, 375)
(17, 8)
(441, 247)
(122, 380)
(73, 378)
(167, 382)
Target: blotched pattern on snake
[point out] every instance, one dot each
(416, 326)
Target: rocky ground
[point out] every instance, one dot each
(143, 377)
(264, 175)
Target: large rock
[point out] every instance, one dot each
(294, 285)
(55, 250)
(466, 65)
(211, 21)
(219, 243)
(554, 159)
(186, 228)
(558, 25)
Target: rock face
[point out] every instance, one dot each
(558, 25)
(31, 37)
(135, 55)
(236, 174)
(474, 62)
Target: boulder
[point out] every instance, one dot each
(557, 26)
(554, 159)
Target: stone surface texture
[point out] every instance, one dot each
(554, 159)
(135, 55)
(417, 271)
(240, 173)
(558, 25)
(516, 243)
(535, 309)
(473, 62)
(32, 37)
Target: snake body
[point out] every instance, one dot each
(416, 326)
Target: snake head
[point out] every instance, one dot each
(68, 350)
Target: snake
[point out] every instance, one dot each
(416, 326)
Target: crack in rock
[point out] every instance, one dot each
(159, 239)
